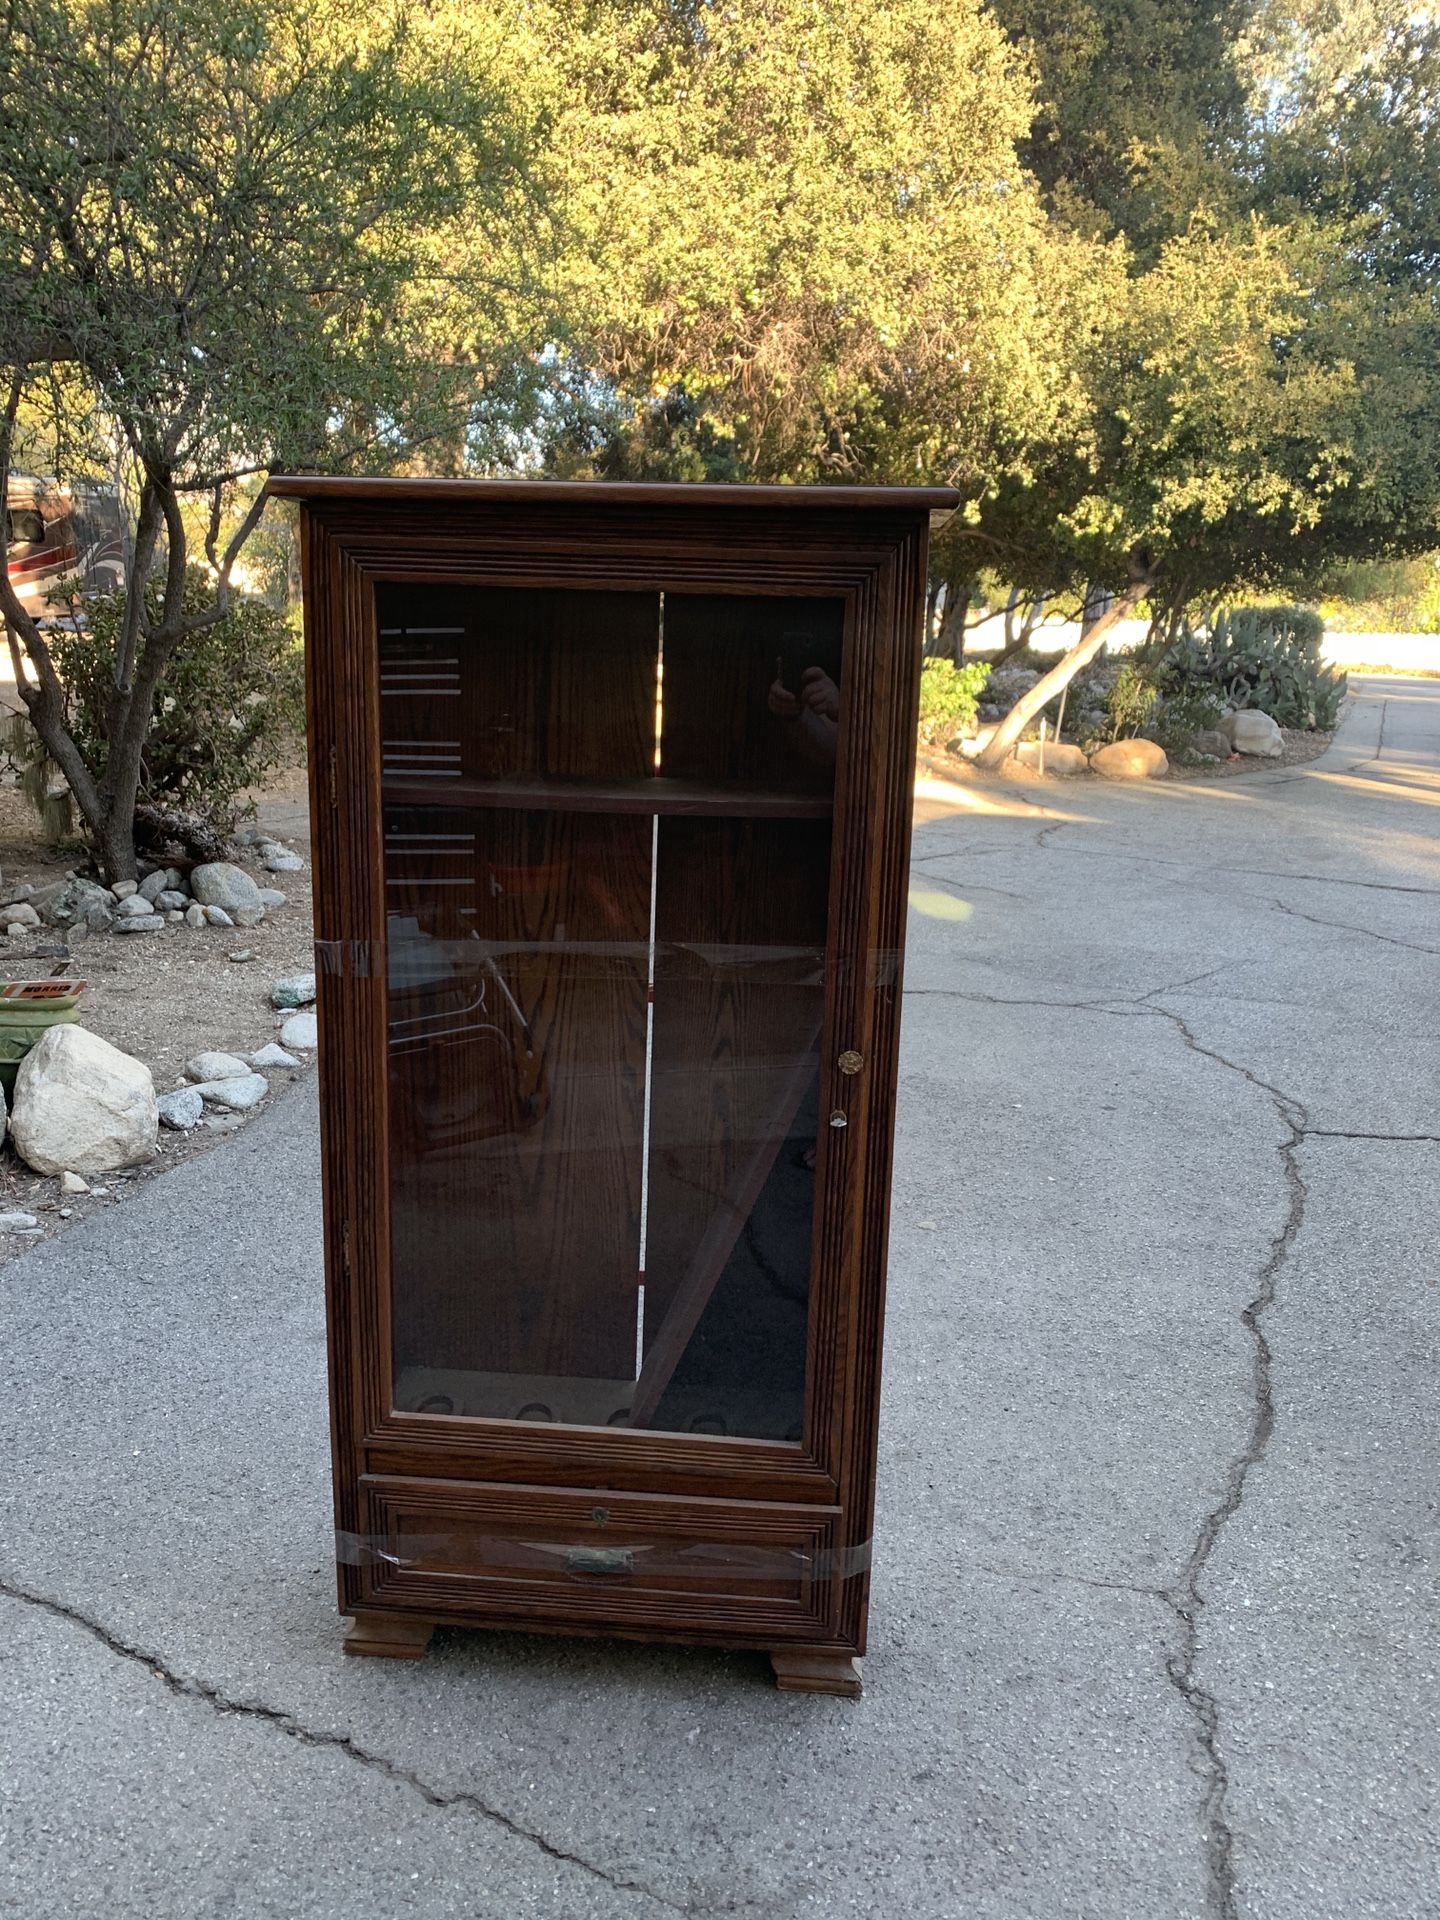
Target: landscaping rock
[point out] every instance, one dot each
(1060, 758)
(140, 923)
(276, 858)
(1130, 760)
(242, 953)
(273, 1056)
(19, 914)
(219, 884)
(1008, 683)
(82, 1106)
(125, 889)
(132, 906)
(72, 1183)
(153, 885)
(21, 891)
(216, 1066)
(73, 899)
(271, 897)
(174, 918)
(218, 917)
(18, 1223)
(247, 916)
(297, 991)
(1212, 741)
(78, 934)
(167, 900)
(181, 1109)
(194, 915)
(301, 1030)
(236, 1094)
(175, 881)
(1253, 732)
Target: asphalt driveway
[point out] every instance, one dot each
(1155, 1624)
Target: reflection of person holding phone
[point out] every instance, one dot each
(810, 699)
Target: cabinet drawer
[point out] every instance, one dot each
(622, 1560)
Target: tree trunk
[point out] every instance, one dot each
(951, 644)
(115, 846)
(1017, 643)
(1096, 605)
(998, 749)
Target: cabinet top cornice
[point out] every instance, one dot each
(592, 493)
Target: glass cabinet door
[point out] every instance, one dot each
(607, 826)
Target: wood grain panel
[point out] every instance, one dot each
(634, 1561)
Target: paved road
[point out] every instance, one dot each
(1155, 1605)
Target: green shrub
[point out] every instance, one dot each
(1292, 626)
(1130, 705)
(949, 699)
(1166, 706)
(229, 705)
(1183, 709)
(1269, 657)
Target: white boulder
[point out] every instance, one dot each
(273, 1056)
(1061, 758)
(181, 1109)
(1253, 732)
(216, 1066)
(237, 1093)
(221, 884)
(1130, 760)
(82, 1106)
(301, 1030)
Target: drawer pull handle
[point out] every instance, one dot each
(599, 1560)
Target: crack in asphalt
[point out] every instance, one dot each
(1393, 1139)
(287, 1724)
(1048, 1576)
(1189, 1603)
(1185, 1599)
(1194, 869)
(1344, 926)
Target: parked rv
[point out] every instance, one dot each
(58, 533)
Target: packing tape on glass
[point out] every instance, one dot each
(415, 960)
(491, 1554)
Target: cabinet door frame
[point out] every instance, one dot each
(874, 559)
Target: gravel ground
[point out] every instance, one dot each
(161, 997)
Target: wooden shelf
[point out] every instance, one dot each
(721, 800)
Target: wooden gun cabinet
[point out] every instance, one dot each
(611, 805)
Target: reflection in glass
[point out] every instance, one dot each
(606, 928)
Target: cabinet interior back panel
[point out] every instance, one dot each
(518, 963)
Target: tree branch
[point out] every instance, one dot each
(1001, 743)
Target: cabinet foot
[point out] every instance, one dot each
(807, 1670)
(389, 1636)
